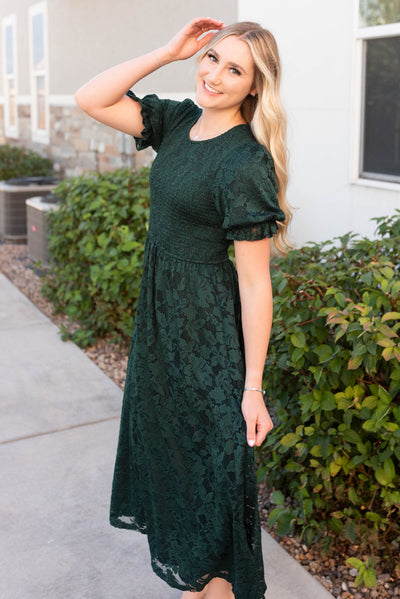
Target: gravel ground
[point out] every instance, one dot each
(330, 570)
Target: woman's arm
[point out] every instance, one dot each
(252, 263)
(103, 97)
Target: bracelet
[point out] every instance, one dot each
(254, 389)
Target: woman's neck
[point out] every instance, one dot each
(214, 122)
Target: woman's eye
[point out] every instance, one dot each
(212, 57)
(235, 71)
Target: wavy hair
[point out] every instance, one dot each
(264, 112)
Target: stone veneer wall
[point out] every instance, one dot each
(78, 143)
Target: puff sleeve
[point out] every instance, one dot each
(158, 116)
(247, 195)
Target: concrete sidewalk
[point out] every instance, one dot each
(59, 420)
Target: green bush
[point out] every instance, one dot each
(96, 248)
(333, 372)
(19, 162)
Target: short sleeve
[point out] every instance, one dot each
(158, 117)
(248, 200)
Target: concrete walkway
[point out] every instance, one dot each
(59, 419)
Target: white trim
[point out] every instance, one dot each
(376, 184)
(62, 100)
(24, 100)
(39, 135)
(391, 30)
(10, 130)
(69, 99)
(361, 35)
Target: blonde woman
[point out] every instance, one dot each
(193, 406)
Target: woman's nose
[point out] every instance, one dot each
(215, 74)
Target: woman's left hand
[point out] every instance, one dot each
(258, 420)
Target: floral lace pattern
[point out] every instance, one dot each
(184, 473)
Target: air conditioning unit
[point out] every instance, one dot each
(13, 194)
(37, 211)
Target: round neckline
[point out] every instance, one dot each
(200, 141)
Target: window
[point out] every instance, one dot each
(9, 76)
(39, 76)
(378, 109)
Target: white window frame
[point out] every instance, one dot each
(361, 35)
(9, 129)
(39, 135)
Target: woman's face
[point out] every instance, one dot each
(225, 75)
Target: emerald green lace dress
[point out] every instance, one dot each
(184, 473)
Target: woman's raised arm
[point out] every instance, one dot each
(103, 97)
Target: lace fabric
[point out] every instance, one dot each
(184, 473)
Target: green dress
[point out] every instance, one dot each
(184, 473)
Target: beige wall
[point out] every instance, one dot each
(89, 36)
(86, 37)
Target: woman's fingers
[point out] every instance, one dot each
(206, 23)
(251, 431)
(263, 428)
(186, 42)
(258, 420)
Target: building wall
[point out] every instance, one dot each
(85, 38)
(316, 43)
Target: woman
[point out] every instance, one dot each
(193, 404)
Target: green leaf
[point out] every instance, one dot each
(328, 401)
(352, 495)
(273, 516)
(354, 562)
(335, 525)
(385, 475)
(354, 363)
(298, 339)
(284, 523)
(334, 468)
(289, 439)
(324, 353)
(297, 354)
(369, 578)
(316, 451)
(278, 498)
(351, 436)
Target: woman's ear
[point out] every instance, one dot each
(253, 93)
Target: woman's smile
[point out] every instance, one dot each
(225, 70)
(208, 88)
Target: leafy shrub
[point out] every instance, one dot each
(96, 247)
(333, 371)
(19, 162)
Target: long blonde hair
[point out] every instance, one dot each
(264, 112)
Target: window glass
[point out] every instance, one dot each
(382, 107)
(41, 107)
(38, 42)
(379, 12)
(9, 50)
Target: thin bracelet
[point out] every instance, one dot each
(254, 389)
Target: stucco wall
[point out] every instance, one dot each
(85, 38)
(95, 35)
(315, 40)
(88, 37)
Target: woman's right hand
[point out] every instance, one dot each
(186, 43)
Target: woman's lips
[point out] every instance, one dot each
(210, 90)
